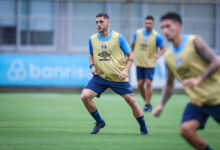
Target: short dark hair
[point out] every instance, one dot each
(173, 16)
(149, 18)
(102, 15)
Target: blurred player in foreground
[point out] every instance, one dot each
(194, 64)
(110, 66)
(145, 45)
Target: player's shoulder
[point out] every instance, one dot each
(192, 37)
(140, 30)
(156, 33)
(93, 36)
(116, 33)
(168, 53)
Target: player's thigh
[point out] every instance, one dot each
(121, 88)
(97, 85)
(88, 94)
(129, 98)
(140, 73)
(189, 126)
(149, 73)
(196, 113)
(213, 111)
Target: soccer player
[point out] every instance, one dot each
(110, 59)
(194, 64)
(145, 46)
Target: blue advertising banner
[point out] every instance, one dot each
(44, 70)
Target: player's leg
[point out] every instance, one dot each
(142, 88)
(149, 73)
(137, 112)
(86, 97)
(213, 111)
(149, 90)
(94, 88)
(136, 109)
(141, 82)
(188, 131)
(124, 89)
(193, 119)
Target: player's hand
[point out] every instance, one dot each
(94, 70)
(123, 75)
(191, 82)
(157, 110)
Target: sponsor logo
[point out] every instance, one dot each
(16, 72)
(183, 72)
(104, 56)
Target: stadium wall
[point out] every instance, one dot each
(48, 39)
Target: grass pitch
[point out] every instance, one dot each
(59, 121)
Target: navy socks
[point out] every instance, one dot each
(96, 116)
(142, 124)
(208, 148)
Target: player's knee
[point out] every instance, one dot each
(149, 84)
(140, 85)
(85, 96)
(131, 101)
(185, 130)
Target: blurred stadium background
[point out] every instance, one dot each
(44, 43)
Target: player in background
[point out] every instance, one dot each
(110, 60)
(193, 63)
(145, 46)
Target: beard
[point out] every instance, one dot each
(101, 31)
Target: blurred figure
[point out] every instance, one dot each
(110, 66)
(145, 46)
(194, 64)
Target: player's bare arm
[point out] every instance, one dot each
(161, 52)
(124, 73)
(132, 46)
(92, 65)
(206, 53)
(166, 93)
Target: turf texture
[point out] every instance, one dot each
(59, 121)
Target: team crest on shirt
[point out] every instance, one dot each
(178, 61)
(104, 46)
(143, 45)
(144, 40)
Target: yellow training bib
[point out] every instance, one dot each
(108, 57)
(145, 49)
(184, 63)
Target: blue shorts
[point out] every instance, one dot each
(145, 73)
(194, 112)
(99, 85)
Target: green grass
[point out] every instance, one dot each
(59, 121)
